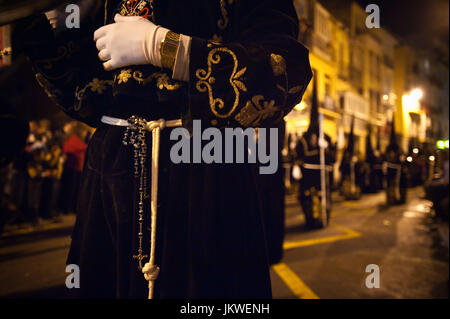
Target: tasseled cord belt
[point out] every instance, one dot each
(150, 270)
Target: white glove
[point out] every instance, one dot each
(131, 40)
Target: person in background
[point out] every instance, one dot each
(438, 191)
(74, 149)
(351, 169)
(51, 175)
(395, 171)
(310, 182)
(371, 182)
(35, 151)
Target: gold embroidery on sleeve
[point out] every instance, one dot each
(96, 85)
(163, 82)
(206, 80)
(162, 79)
(255, 111)
(223, 22)
(49, 88)
(63, 51)
(217, 38)
(279, 69)
(278, 64)
(124, 75)
(138, 76)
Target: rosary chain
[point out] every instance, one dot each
(135, 135)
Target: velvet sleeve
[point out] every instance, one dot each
(256, 76)
(67, 68)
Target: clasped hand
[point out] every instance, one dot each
(131, 40)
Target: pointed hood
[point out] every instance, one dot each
(379, 139)
(393, 144)
(393, 138)
(314, 115)
(351, 139)
(369, 149)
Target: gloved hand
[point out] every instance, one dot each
(130, 40)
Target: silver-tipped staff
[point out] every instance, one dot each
(323, 182)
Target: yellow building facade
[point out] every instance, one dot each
(362, 72)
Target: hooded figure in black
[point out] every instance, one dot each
(371, 182)
(395, 171)
(308, 155)
(378, 166)
(351, 169)
(246, 70)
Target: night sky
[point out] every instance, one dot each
(421, 22)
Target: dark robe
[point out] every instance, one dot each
(211, 241)
(272, 203)
(308, 154)
(352, 177)
(396, 176)
(371, 168)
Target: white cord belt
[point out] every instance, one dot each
(150, 270)
(317, 167)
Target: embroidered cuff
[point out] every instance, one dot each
(181, 66)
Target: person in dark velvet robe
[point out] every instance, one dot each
(210, 236)
(272, 192)
(378, 165)
(308, 156)
(371, 181)
(395, 171)
(351, 169)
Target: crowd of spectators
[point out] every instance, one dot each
(41, 183)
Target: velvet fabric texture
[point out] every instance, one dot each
(246, 69)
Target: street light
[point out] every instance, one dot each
(416, 94)
(442, 144)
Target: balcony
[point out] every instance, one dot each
(323, 47)
(356, 77)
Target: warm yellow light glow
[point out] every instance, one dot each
(416, 150)
(432, 158)
(409, 159)
(417, 94)
(386, 97)
(304, 123)
(410, 104)
(301, 106)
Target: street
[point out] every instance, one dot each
(409, 247)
